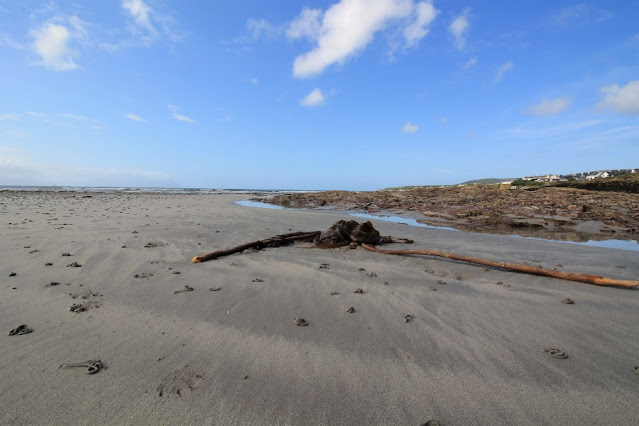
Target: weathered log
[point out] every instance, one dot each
(276, 241)
(535, 270)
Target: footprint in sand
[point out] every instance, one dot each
(179, 382)
(567, 301)
(83, 307)
(153, 244)
(324, 266)
(184, 290)
(258, 280)
(350, 310)
(409, 318)
(358, 291)
(215, 289)
(146, 275)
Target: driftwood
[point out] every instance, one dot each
(352, 233)
(276, 241)
(535, 270)
(342, 233)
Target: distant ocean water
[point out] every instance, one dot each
(131, 189)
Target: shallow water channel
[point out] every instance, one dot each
(632, 245)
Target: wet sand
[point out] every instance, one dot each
(109, 278)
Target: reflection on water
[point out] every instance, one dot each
(616, 244)
(247, 203)
(404, 220)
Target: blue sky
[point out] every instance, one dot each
(336, 94)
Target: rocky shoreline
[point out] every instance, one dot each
(558, 213)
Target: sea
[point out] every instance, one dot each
(128, 189)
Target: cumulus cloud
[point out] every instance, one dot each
(623, 99)
(177, 115)
(135, 117)
(459, 29)
(426, 13)
(348, 26)
(410, 128)
(313, 99)
(550, 106)
(52, 44)
(503, 69)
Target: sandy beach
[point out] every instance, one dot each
(106, 276)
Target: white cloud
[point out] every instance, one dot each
(410, 128)
(313, 99)
(346, 28)
(550, 106)
(5, 116)
(459, 28)
(503, 69)
(579, 15)
(623, 99)
(426, 13)
(35, 114)
(135, 117)
(307, 24)
(140, 12)
(255, 81)
(176, 115)
(52, 45)
(7, 41)
(261, 28)
(471, 62)
(72, 116)
(147, 26)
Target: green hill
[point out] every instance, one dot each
(486, 181)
